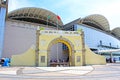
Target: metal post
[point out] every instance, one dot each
(111, 58)
(7, 8)
(47, 21)
(57, 44)
(83, 49)
(37, 47)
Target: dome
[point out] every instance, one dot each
(97, 21)
(35, 15)
(116, 31)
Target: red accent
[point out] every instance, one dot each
(58, 17)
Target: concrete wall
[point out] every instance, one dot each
(24, 59)
(19, 36)
(92, 58)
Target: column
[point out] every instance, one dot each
(111, 58)
(2, 27)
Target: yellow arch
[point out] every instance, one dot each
(67, 43)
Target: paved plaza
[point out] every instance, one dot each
(94, 72)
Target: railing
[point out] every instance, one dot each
(111, 47)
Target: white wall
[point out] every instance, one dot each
(20, 36)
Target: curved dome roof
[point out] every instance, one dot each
(36, 15)
(98, 21)
(116, 31)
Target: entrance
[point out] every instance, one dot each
(59, 53)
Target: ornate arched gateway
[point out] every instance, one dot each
(72, 39)
(67, 43)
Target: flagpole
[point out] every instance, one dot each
(58, 18)
(57, 24)
(47, 21)
(57, 44)
(48, 17)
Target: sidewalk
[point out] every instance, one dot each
(43, 70)
(95, 72)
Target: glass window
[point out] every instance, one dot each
(42, 59)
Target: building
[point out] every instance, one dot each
(98, 35)
(21, 28)
(3, 11)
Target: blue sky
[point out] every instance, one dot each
(69, 10)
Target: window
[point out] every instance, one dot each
(78, 58)
(42, 59)
(64, 47)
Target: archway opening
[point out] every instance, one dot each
(59, 53)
